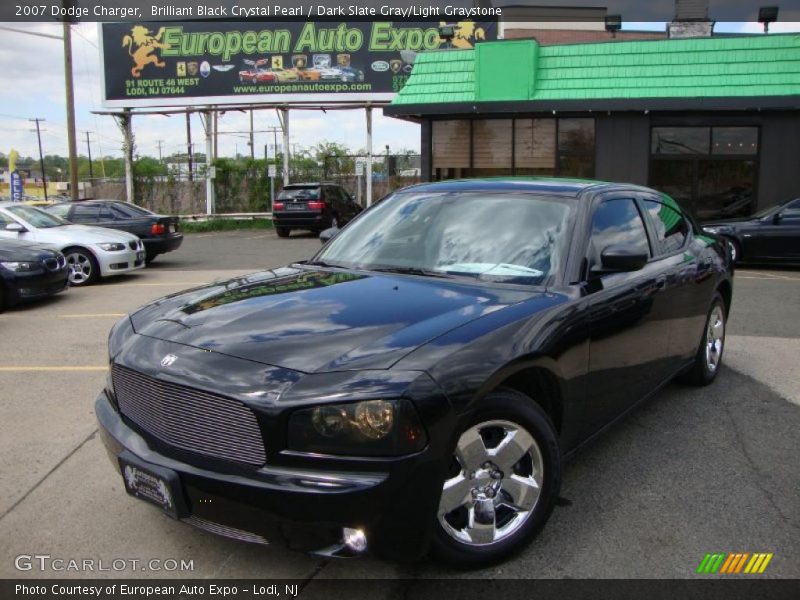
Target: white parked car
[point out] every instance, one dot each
(91, 252)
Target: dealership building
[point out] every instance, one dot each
(712, 121)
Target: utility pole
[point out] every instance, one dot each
(252, 138)
(89, 150)
(41, 154)
(159, 142)
(189, 141)
(71, 140)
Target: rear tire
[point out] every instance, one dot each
(708, 360)
(83, 266)
(283, 231)
(495, 501)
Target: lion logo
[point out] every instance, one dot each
(146, 44)
(466, 34)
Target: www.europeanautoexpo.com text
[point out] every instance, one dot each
(211, 10)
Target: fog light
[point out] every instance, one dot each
(355, 539)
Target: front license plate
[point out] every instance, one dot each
(153, 484)
(140, 256)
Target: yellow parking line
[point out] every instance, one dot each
(91, 316)
(28, 369)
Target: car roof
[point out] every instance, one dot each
(310, 183)
(543, 185)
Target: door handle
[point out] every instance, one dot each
(661, 282)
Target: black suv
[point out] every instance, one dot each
(312, 206)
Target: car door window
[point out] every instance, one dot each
(105, 213)
(671, 229)
(85, 214)
(60, 210)
(616, 221)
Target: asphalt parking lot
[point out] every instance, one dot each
(693, 471)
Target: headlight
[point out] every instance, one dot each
(21, 267)
(712, 229)
(368, 428)
(112, 247)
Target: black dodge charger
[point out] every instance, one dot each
(418, 384)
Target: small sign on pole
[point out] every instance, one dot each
(359, 169)
(272, 171)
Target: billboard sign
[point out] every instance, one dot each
(220, 62)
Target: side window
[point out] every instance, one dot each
(59, 210)
(671, 228)
(615, 222)
(85, 214)
(105, 213)
(4, 220)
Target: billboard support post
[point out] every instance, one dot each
(209, 126)
(125, 122)
(283, 115)
(369, 155)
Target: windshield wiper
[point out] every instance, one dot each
(320, 263)
(410, 271)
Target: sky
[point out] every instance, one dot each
(33, 78)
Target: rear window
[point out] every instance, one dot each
(299, 193)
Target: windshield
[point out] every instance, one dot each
(36, 217)
(508, 237)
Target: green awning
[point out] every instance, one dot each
(523, 71)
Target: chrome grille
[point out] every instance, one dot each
(189, 419)
(225, 531)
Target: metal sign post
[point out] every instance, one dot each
(272, 171)
(359, 174)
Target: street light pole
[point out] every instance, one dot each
(41, 154)
(89, 150)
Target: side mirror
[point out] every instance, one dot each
(328, 234)
(777, 218)
(623, 257)
(16, 227)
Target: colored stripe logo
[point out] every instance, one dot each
(735, 563)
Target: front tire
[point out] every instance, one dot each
(708, 360)
(735, 250)
(283, 232)
(502, 484)
(83, 267)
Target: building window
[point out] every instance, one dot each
(734, 140)
(710, 171)
(491, 147)
(535, 146)
(576, 148)
(450, 145)
(680, 140)
(502, 147)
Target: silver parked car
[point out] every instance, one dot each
(91, 252)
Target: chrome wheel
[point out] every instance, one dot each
(733, 252)
(715, 338)
(494, 483)
(80, 268)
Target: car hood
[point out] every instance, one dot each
(730, 222)
(19, 250)
(82, 234)
(318, 320)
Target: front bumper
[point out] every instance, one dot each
(24, 287)
(304, 509)
(121, 261)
